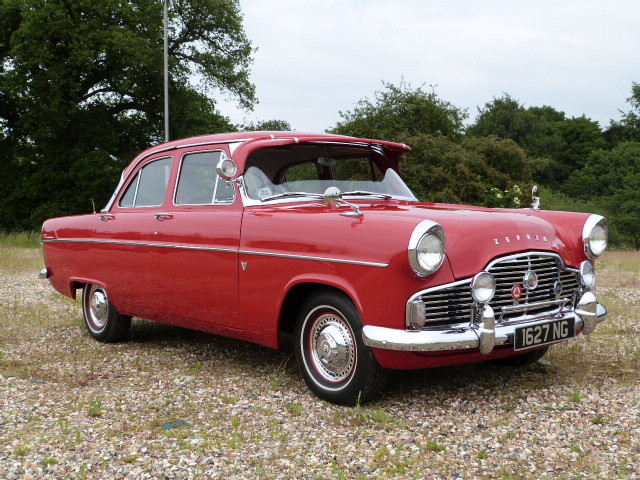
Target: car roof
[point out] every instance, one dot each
(247, 142)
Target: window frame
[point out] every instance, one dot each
(136, 177)
(215, 190)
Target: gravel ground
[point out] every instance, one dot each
(172, 403)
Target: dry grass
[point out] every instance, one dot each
(176, 402)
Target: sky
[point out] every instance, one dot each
(317, 58)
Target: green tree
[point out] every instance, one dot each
(81, 92)
(613, 177)
(628, 128)
(543, 132)
(505, 117)
(401, 110)
(267, 126)
(444, 166)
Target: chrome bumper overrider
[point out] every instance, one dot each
(484, 336)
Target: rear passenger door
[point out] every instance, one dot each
(123, 259)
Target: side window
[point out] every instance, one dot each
(199, 183)
(128, 197)
(149, 186)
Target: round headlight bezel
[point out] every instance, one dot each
(587, 275)
(480, 283)
(427, 248)
(595, 236)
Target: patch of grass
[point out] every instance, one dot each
(20, 451)
(20, 239)
(600, 420)
(295, 408)
(49, 461)
(575, 396)
(95, 408)
(131, 458)
(434, 446)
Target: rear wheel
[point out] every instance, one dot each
(522, 360)
(335, 363)
(103, 321)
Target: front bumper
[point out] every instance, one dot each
(483, 336)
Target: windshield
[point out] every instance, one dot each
(299, 169)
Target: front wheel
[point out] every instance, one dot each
(103, 321)
(334, 361)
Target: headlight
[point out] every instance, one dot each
(594, 236)
(427, 247)
(483, 286)
(587, 274)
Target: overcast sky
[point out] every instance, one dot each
(316, 58)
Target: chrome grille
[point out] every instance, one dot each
(451, 305)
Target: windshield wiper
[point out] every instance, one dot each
(363, 192)
(291, 194)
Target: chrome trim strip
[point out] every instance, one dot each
(189, 145)
(144, 244)
(319, 259)
(228, 250)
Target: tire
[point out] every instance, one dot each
(522, 360)
(334, 361)
(103, 321)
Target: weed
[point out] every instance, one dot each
(434, 446)
(575, 396)
(20, 451)
(64, 424)
(81, 473)
(131, 458)
(95, 408)
(295, 408)
(49, 461)
(235, 422)
(600, 420)
(483, 455)
(380, 416)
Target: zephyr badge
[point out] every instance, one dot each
(530, 280)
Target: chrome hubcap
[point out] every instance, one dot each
(333, 348)
(98, 307)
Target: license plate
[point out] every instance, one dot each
(544, 333)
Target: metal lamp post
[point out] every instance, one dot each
(166, 72)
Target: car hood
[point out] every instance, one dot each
(475, 235)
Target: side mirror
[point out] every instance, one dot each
(331, 195)
(227, 169)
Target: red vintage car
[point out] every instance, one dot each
(255, 234)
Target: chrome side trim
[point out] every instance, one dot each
(144, 244)
(319, 259)
(227, 250)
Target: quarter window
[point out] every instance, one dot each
(149, 186)
(199, 183)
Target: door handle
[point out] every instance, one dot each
(163, 216)
(107, 216)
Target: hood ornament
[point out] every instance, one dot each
(332, 196)
(535, 199)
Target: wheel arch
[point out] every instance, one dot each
(300, 289)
